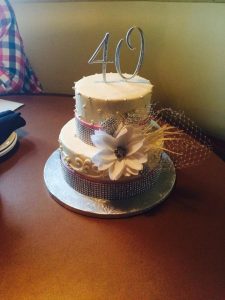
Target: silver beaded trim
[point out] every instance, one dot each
(107, 189)
(84, 132)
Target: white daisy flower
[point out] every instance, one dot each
(122, 154)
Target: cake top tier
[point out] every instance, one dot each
(97, 100)
(115, 88)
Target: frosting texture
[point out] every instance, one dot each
(96, 100)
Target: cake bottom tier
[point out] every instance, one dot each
(107, 189)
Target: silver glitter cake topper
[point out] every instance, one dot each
(104, 61)
(105, 45)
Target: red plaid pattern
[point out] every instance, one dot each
(16, 74)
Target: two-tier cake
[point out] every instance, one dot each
(105, 152)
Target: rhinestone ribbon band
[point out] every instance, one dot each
(107, 189)
(85, 130)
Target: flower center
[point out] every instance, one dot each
(120, 152)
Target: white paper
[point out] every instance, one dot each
(9, 105)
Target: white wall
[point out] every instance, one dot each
(185, 49)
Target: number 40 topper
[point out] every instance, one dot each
(104, 61)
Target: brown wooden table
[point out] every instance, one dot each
(176, 251)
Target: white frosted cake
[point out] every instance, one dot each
(106, 149)
(96, 99)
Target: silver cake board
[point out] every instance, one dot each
(65, 195)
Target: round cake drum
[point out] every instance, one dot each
(102, 208)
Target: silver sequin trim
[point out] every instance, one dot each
(84, 132)
(111, 190)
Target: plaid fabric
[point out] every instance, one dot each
(16, 74)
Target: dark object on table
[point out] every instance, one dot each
(9, 122)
